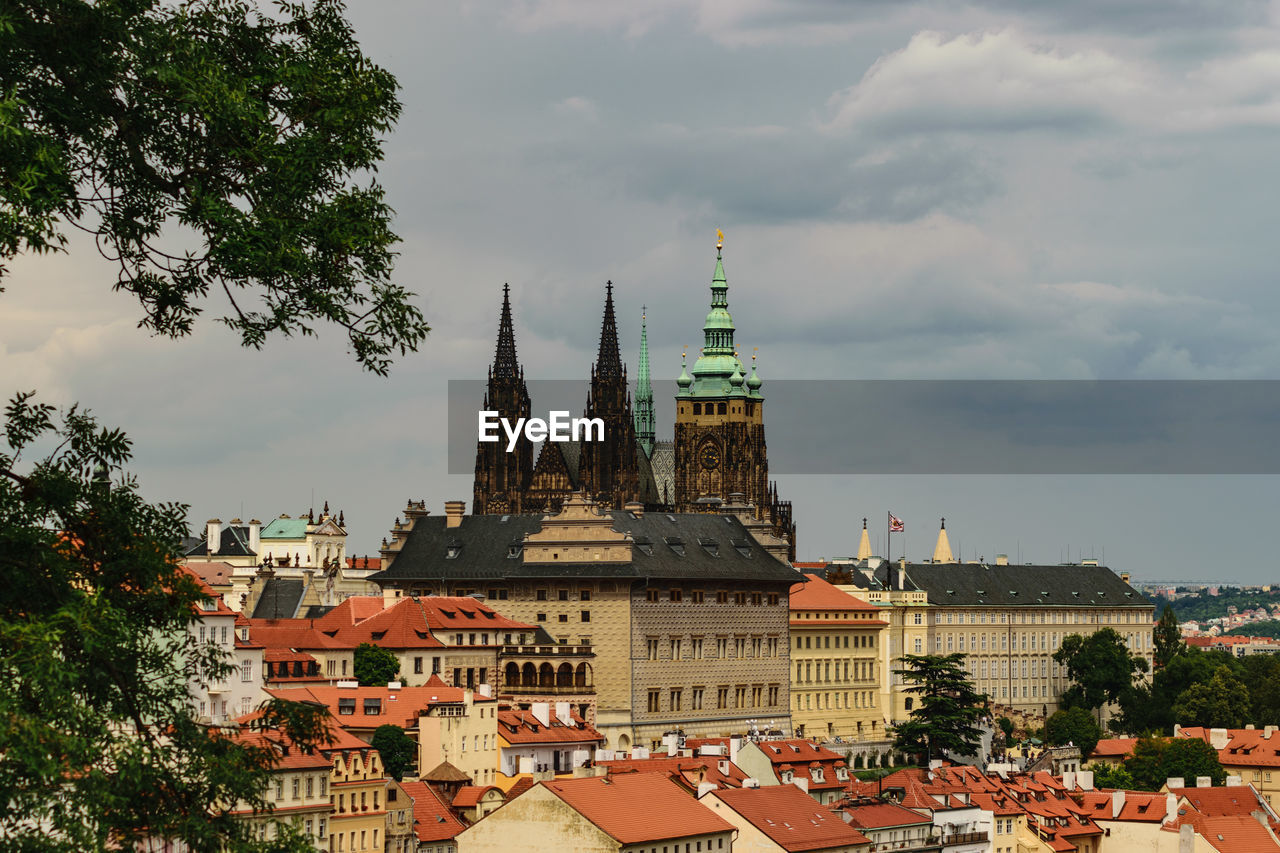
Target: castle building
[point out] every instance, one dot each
(686, 613)
(718, 456)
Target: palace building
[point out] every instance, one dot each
(717, 459)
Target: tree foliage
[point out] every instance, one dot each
(208, 145)
(375, 666)
(399, 751)
(1111, 776)
(948, 707)
(100, 744)
(1073, 725)
(1155, 760)
(1006, 725)
(1168, 638)
(1222, 703)
(1100, 667)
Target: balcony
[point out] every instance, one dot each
(964, 838)
(555, 650)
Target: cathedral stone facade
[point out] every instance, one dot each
(717, 460)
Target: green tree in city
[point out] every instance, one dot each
(100, 744)
(1168, 638)
(208, 146)
(1100, 667)
(947, 708)
(1006, 726)
(1111, 776)
(1073, 725)
(1156, 760)
(398, 750)
(211, 149)
(1221, 703)
(375, 666)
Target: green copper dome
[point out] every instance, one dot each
(717, 372)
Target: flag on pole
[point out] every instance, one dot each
(895, 524)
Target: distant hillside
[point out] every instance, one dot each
(1256, 629)
(1200, 606)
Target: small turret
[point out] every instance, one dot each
(942, 551)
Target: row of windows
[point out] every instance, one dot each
(698, 596)
(1026, 641)
(846, 701)
(696, 648)
(757, 693)
(1022, 617)
(810, 672)
(320, 780)
(689, 846)
(340, 837)
(824, 641)
(342, 801)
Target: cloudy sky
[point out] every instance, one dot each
(909, 190)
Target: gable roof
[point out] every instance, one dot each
(977, 585)
(399, 706)
(409, 622)
(609, 802)
(213, 572)
(285, 528)
(1222, 801)
(483, 545)
(432, 819)
(521, 727)
(233, 541)
(882, 815)
(814, 593)
(790, 817)
(446, 772)
(280, 598)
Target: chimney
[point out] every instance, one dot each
(1084, 778)
(1234, 781)
(453, 511)
(389, 596)
(705, 788)
(213, 532)
(1219, 738)
(1117, 804)
(563, 713)
(735, 744)
(1124, 576)
(635, 508)
(1002, 559)
(1170, 807)
(799, 781)
(1175, 782)
(541, 712)
(1204, 782)
(255, 535)
(1268, 732)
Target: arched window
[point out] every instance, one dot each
(529, 676)
(513, 674)
(697, 408)
(546, 676)
(564, 676)
(720, 409)
(581, 676)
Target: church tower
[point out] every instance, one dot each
(720, 447)
(644, 394)
(608, 470)
(502, 477)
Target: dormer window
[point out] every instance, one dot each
(452, 550)
(742, 546)
(513, 551)
(817, 774)
(711, 546)
(676, 544)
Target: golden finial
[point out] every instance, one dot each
(754, 351)
(719, 239)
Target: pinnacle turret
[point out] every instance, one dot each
(609, 359)
(504, 359)
(645, 423)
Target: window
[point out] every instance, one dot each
(652, 643)
(542, 617)
(698, 596)
(651, 595)
(373, 706)
(586, 616)
(584, 595)
(740, 696)
(346, 705)
(497, 594)
(696, 699)
(773, 647)
(740, 599)
(654, 700)
(563, 595)
(722, 597)
(246, 670)
(675, 648)
(774, 598)
(563, 617)
(417, 665)
(541, 595)
(722, 697)
(696, 648)
(773, 694)
(297, 788)
(757, 695)
(722, 647)
(676, 694)
(740, 647)
(756, 599)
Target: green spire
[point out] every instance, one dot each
(718, 365)
(644, 393)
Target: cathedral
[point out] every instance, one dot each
(716, 462)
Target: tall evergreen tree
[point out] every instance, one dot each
(1168, 638)
(946, 716)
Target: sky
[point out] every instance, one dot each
(909, 190)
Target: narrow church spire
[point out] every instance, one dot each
(644, 393)
(864, 544)
(942, 551)
(609, 359)
(504, 359)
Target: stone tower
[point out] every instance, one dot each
(608, 470)
(501, 478)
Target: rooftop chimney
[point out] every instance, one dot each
(1124, 576)
(635, 508)
(1002, 559)
(255, 535)
(453, 511)
(541, 712)
(213, 532)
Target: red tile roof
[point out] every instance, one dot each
(399, 706)
(409, 623)
(469, 795)
(1114, 747)
(790, 817)
(288, 755)
(432, 819)
(1231, 834)
(1220, 802)
(374, 563)
(814, 593)
(521, 727)
(610, 803)
(292, 634)
(213, 573)
(882, 815)
(689, 772)
(1138, 807)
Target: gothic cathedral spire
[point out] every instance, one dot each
(501, 477)
(645, 429)
(608, 470)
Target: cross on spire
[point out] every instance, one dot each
(504, 359)
(609, 359)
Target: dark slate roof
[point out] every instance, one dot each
(975, 585)
(235, 543)
(715, 547)
(280, 599)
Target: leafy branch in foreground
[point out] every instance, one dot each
(99, 744)
(208, 145)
